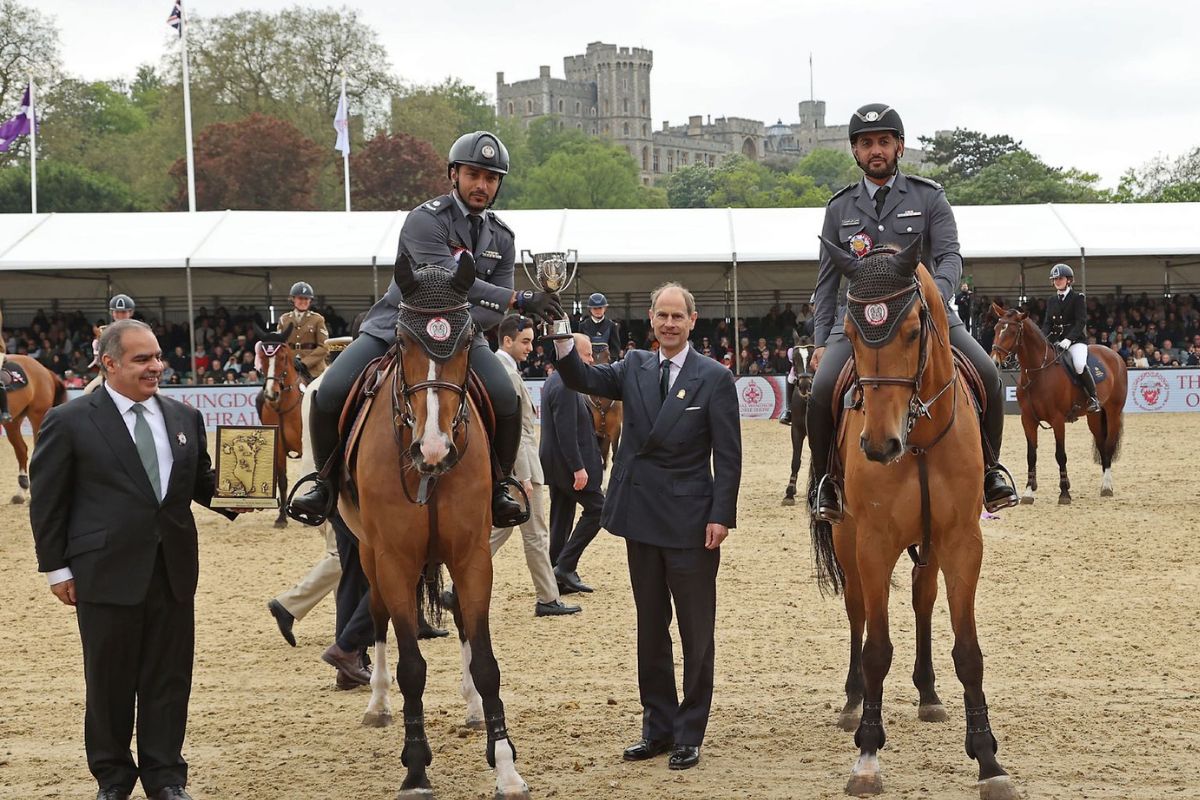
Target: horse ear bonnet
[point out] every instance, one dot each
(430, 313)
(876, 277)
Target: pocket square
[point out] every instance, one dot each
(692, 408)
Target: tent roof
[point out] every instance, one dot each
(263, 239)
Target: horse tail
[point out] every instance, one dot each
(1109, 438)
(830, 577)
(429, 592)
(60, 390)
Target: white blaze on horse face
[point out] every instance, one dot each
(270, 385)
(470, 694)
(803, 358)
(434, 446)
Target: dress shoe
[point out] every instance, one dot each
(555, 608)
(647, 748)
(284, 619)
(346, 682)
(569, 583)
(786, 417)
(112, 793)
(684, 757)
(169, 793)
(348, 663)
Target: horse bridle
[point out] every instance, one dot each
(917, 408)
(269, 351)
(1030, 371)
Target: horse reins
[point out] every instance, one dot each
(1029, 373)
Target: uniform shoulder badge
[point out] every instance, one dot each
(840, 192)
(924, 180)
(438, 204)
(492, 216)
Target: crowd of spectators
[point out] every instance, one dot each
(1148, 332)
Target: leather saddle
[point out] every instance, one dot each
(13, 377)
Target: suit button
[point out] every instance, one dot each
(880, 227)
(908, 229)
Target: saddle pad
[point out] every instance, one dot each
(1099, 368)
(13, 377)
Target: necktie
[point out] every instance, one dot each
(475, 223)
(144, 439)
(880, 197)
(664, 381)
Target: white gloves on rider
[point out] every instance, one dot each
(1065, 344)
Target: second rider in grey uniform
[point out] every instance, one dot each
(889, 207)
(436, 232)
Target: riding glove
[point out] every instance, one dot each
(542, 306)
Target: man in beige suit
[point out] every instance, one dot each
(515, 335)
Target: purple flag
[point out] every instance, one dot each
(17, 126)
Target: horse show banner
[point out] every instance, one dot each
(759, 396)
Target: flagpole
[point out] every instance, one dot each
(346, 155)
(32, 147)
(187, 113)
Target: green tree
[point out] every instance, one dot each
(742, 183)
(441, 113)
(28, 44)
(595, 174)
(1162, 180)
(77, 116)
(831, 169)
(259, 163)
(64, 188)
(1021, 177)
(690, 187)
(395, 171)
(962, 154)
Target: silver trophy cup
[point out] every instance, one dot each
(553, 272)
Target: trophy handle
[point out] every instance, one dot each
(525, 266)
(573, 258)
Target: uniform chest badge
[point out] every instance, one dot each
(681, 394)
(846, 222)
(179, 437)
(861, 244)
(911, 213)
(490, 254)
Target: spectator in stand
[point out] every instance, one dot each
(963, 301)
(1139, 359)
(203, 361)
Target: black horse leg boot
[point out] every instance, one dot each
(507, 512)
(316, 502)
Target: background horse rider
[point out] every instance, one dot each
(436, 232)
(889, 207)
(309, 332)
(599, 328)
(1065, 325)
(121, 306)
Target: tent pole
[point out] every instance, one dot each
(270, 305)
(736, 343)
(191, 320)
(375, 279)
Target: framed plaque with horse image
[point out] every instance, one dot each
(245, 467)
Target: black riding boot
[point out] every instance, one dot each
(1089, 385)
(506, 512)
(824, 497)
(323, 429)
(786, 417)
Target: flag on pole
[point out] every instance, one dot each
(18, 126)
(341, 124)
(176, 18)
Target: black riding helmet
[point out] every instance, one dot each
(1062, 271)
(121, 302)
(302, 289)
(875, 117)
(479, 149)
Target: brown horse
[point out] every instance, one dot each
(42, 392)
(1046, 393)
(416, 491)
(913, 429)
(279, 404)
(607, 415)
(804, 378)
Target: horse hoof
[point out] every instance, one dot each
(377, 719)
(281, 523)
(1000, 787)
(1026, 500)
(934, 712)
(864, 785)
(1106, 492)
(788, 501)
(476, 724)
(18, 499)
(415, 794)
(1064, 499)
(519, 793)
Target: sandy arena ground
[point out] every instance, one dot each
(1087, 618)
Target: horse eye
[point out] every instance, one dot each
(912, 337)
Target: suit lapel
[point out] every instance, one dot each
(864, 203)
(108, 420)
(462, 228)
(895, 197)
(648, 386)
(682, 392)
(485, 237)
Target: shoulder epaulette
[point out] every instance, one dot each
(841, 192)
(492, 216)
(924, 180)
(438, 205)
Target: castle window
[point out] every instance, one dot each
(510, 108)
(578, 108)
(625, 83)
(593, 114)
(645, 130)
(656, 169)
(593, 130)
(528, 106)
(625, 105)
(670, 161)
(625, 129)
(645, 159)
(643, 106)
(683, 159)
(560, 106)
(579, 125)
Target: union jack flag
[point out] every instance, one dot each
(176, 18)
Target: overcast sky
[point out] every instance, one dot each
(1097, 85)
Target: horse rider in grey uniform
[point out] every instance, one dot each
(121, 306)
(436, 232)
(888, 207)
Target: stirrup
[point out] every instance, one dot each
(835, 514)
(522, 517)
(1008, 501)
(303, 516)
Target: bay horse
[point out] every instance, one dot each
(607, 414)
(416, 491)
(279, 404)
(913, 427)
(1046, 393)
(42, 391)
(799, 409)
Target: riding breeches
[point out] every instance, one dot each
(838, 350)
(341, 375)
(1079, 354)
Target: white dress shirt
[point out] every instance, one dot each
(162, 444)
(676, 364)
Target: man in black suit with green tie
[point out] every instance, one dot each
(113, 478)
(672, 495)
